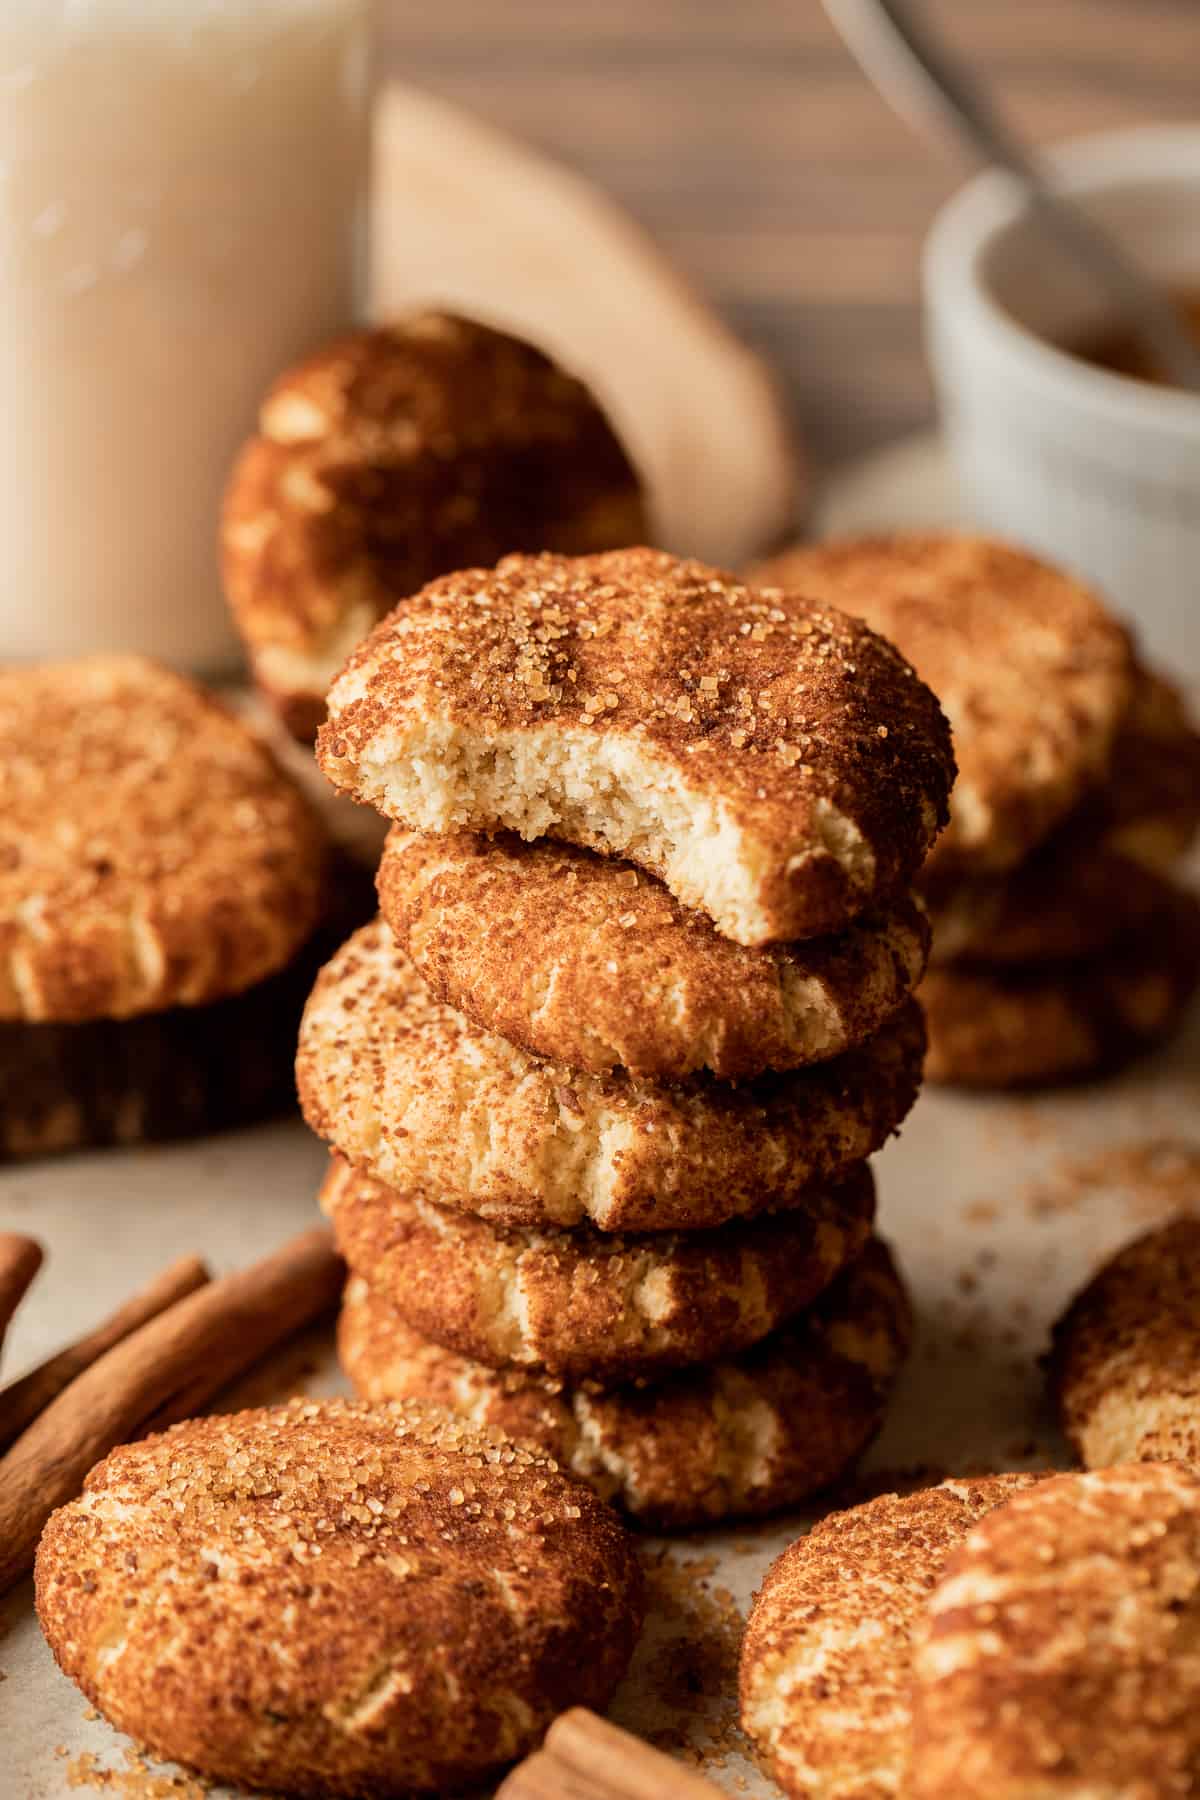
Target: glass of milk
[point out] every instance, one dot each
(180, 188)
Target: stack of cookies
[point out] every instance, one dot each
(602, 1080)
(1063, 943)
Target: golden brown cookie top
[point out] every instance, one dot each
(1034, 673)
(593, 962)
(737, 1436)
(826, 1658)
(152, 854)
(773, 760)
(1014, 1026)
(1058, 1656)
(1126, 1365)
(413, 1094)
(1149, 805)
(267, 1481)
(328, 1596)
(586, 1303)
(396, 454)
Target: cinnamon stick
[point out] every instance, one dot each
(169, 1368)
(21, 1401)
(20, 1260)
(585, 1757)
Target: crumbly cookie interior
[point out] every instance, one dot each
(607, 792)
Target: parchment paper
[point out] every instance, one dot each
(998, 1208)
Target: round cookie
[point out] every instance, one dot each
(1092, 880)
(1059, 1658)
(152, 854)
(412, 1093)
(1033, 671)
(747, 1435)
(1000, 1027)
(326, 1597)
(1148, 807)
(580, 958)
(1125, 1369)
(394, 455)
(825, 1662)
(776, 764)
(1069, 900)
(159, 1076)
(587, 1303)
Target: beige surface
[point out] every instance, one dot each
(994, 1232)
(998, 1211)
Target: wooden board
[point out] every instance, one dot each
(743, 137)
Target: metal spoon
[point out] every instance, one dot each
(917, 75)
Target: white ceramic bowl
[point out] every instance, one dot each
(1094, 470)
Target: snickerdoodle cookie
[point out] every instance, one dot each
(1125, 1370)
(1093, 879)
(152, 854)
(161, 1075)
(826, 1659)
(1047, 1022)
(1059, 1658)
(1148, 806)
(586, 959)
(1073, 898)
(776, 763)
(1033, 671)
(394, 455)
(588, 1303)
(332, 1598)
(412, 1093)
(744, 1435)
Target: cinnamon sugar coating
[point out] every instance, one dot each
(1147, 807)
(152, 854)
(1033, 671)
(1125, 1371)
(332, 1598)
(741, 1436)
(1009, 1027)
(393, 455)
(412, 1093)
(584, 959)
(1094, 879)
(153, 1078)
(587, 1303)
(826, 1659)
(1072, 898)
(1060, 1655)
(775, 763)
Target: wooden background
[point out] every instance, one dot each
(741, 133)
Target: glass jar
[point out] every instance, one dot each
(180, 203)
